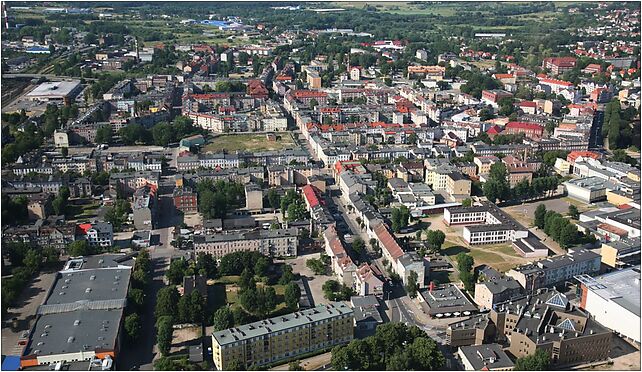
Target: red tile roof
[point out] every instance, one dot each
(311, 196)
(388, 241)
(523, 125)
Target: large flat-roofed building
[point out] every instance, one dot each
(283, 337)
(547, 321)
(63, 91)
(587, 190)
(621, 253)
(276, 243)
(490, 224)
(614, 301)
(556, 270)
(445, 301)
(81, 318)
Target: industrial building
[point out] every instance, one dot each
(59, 91)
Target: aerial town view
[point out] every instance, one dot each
(314, 186)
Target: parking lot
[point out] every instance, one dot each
(24, 312)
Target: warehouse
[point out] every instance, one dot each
(58, 91)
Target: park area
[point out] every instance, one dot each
(250, 142)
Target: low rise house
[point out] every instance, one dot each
(366, 313)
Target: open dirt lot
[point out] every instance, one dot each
(525, 213)
(250, 142)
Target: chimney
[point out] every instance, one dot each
(432, 286)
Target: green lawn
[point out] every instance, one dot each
(250, 142)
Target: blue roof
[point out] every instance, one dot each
(215, 23)
(11, 363)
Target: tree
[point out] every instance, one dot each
(317, 266)
(136, 296)
(539, 361)
(466, 202)
(164, 334)
(103, 134)
(247, 279)
(207, 265)
(167, 302)
(568, 235)
(573, 212)
(292, 295)
(313, 103)
(358, 245)
(274, 199)
(412, 285)
(435, 239)
(79, 248)
(176, 271)
(425, 355)
(295, 366)
(261, 266)
(287, 275)
(540, 214)
(133, 326)
(223, 319)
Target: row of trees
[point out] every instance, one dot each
(205, 265)
(559, 228)
(620, 127)
(161, 134)
(293, 207)
(394, 346)
(140, 280)
(497, 186)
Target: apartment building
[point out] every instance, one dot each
(275, 243)
(559, 65)
(530, 130)
(145, 207)
(283, 337)
(556, 270)
(340, 262)
(185, 199)
(99, 234)
(547, 321)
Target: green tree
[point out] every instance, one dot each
(467, 202)
(317, 266)
(103, 134)
(79, 248)
(164, 334)
(261, 267)
(573, 212)
(295, 366)
(133, 326)
(274, 199)
(435, 239)
(539, 361)
(540, 214)
(287, 275)
(176, 271)
(167, 302)
(358, 245)
(292, 295)
(136, 296)
(412, 286)
(223, 319)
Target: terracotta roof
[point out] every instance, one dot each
(388, 241)
(311, 196)
(524, 125)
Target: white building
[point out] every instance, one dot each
(614, 300)
(587, 190)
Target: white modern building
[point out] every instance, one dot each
(614, 301)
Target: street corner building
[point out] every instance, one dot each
(283, 337)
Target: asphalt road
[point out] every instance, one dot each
(595, 139)
(142, 354)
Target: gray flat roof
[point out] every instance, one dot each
(280, 323)
(447, 299)
(55, 89)
(621, 287)
(89, 285)
(480, 356)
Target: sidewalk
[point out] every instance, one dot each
(309, 364)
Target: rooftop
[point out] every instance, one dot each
(447, 299)
(621, 287)
(487, 357)
(280, 323)
(55, 89)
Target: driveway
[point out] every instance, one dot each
(315, 282)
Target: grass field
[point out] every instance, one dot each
(500, 256)
(249, 142)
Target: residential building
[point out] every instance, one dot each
(99, 234)
(275, 243)
(556, 270)
(487, 357)
(613, 300)
(340, 262)
(530, 130)
(366, 313)
(145, 207)
(559, 65)
(367, 280)
(185, 199)
(253, 198)
(283, 337)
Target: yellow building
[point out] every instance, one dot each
(621, 253)
(284, 337)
